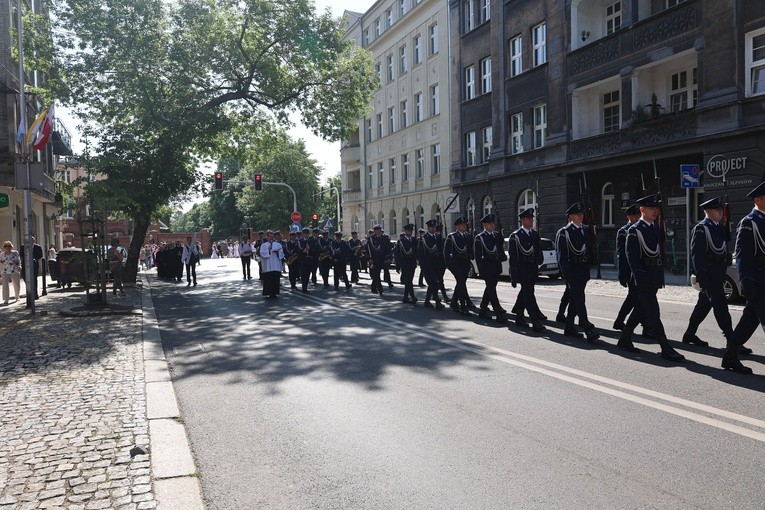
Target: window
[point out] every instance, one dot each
(401, 8)
(420, 217)
(486, 136)
(433, 31)
(378, 69)
(607, 205)
(378, 27)
(380, 174)
(485, 10)
(419, 155)
(516, 56)
(470, 144)
(539, 35)
(470, 208)
(405, 216)
(404, 114)
(392, 119)
(391, 69)
(611, 111)
(392, 167)
(379, 125)
(366, 37)
(486, 75)
(417, 49)
(540, 126)
(435, 151)
(419, 113)
(488, 206)
(755, 62)
(435, 100)
(389, 18)
(469, 13)
(613, 17)
(516, 133)
(683, 90)
(528, 200)
(370, 177)
(404, 167)
(469, 83)
(369, 130)
(403, 60)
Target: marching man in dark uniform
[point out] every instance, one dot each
(325, 257)
(354, 245)
(430, 256)
(292, 257)
(750, 261)
(489, 255)
(458, 252)
(305, 259)
(571, 249)
(340, 252)
(525, 256)
(441, 262)
(406, 262)
(709, 262)
(623, 266)
(645, 258)
(378, 247)
(314, 249)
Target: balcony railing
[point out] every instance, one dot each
(351, 195)
(62, 139)
(350, 153)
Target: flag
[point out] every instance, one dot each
(34, 128)
(45, 130)
(22, 132)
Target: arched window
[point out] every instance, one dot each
(528, 199)
(488, 206)
(470, 208)
(355, 223)
(405, 217)
(435, 212)
(420, 214)
(392, 221)
(372, 221)
(607, 205)
(381, 220)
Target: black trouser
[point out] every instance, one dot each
(191, 272)
(374, 272)
(752, 316)
(339, 273)
(407, 280)
(294, 273)
(460, 295)
(324, 266)
(246, 261)
(489, 293)
(386, 275)
(527, 301)
(314, 268)
(646, 311)
(627, 307)
(431, 278)
(711, 298)
(577, 306)
(565, 299)
(354, 262)
(306, 266)
(441, 285)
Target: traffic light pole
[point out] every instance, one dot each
(294, 195)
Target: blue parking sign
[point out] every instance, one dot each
(690, 176)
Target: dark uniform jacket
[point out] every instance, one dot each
(644, 255)
(458, 251)
(340, 251)
(571, 250)
(489, 253)
(314, 247)
(709, 252)
(750, 254)
(406, 253)
(525, 255)
(430, 251)
(621, 255)
(379, 249)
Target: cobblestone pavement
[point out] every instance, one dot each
(73, 408)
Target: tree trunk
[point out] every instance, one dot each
(130, 272)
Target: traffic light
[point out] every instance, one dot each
(315, 219)
(218, 180)
(258, 182)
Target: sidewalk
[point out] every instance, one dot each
(76, 405)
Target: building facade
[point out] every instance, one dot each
(394, 170)
(44, 202)
(605, 101)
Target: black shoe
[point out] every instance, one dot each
(743, 350)
(627, 345)
(732, 363)
(539, 317)
(414, 300)
(293, 287)
(591, 335)
(670, 354)
(244, 277)
(572, 333)
(539, 328)
(390, 285)
(428, 304)
(501, 318)
(446, 300)
(455, 307)
(520, 321)
(484, 314)
(619, 325)
(439, 306)
(188, 284)
(465, 311)
(380, 292)
(195, 284)
(407, 301)
(693, 339)
(560, 318)
(347, 285)
(648, 335)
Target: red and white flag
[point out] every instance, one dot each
(43, 135)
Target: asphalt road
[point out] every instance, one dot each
(355, 401)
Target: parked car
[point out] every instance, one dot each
(731, 285)
(548, 267)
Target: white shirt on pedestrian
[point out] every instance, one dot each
(271, 254)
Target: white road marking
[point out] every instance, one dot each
(577, 377)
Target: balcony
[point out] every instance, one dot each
(61, 139)
(351, 196)
(350, 154)
(42, 184)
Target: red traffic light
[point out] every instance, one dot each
(258, 182)
(315, 217)
(219, 180)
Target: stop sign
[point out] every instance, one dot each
(296, 217)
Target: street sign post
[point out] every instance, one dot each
(296, 217)
(690, 176)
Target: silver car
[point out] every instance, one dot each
(548, 267)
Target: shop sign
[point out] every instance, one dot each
(720, 164)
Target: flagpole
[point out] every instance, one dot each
(29, 274)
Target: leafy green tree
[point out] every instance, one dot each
(163, 84)
(326, 203)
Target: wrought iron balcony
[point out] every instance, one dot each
(61, 139)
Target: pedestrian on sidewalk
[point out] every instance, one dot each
(246, 255)
(10, 268)
(116, 258)
(37, 255)
(190, 258)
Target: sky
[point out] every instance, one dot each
(326, 154)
